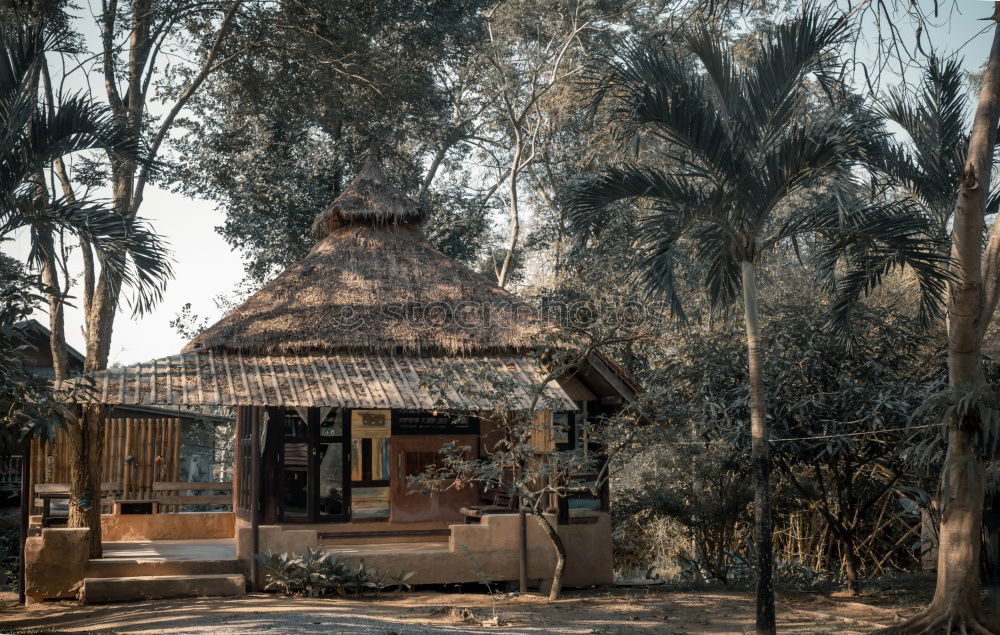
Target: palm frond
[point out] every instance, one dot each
(33, 135)
(133, 255)
(874, 239)
(589, 197)
(929, 164)
(657, 256)
(660, 93)
(714, 250)
(788, 52)
(720, 67)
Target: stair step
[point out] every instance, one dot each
(404, 536)
(122, 567)
(158, 587)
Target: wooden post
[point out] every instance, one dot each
(175, 459)
(522, 531)
(237, 476)
(149, 451)
(26, 503)
(255, 498)
(126, 467)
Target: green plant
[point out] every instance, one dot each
(399, 580)
(317, 573)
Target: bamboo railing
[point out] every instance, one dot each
(144, 439)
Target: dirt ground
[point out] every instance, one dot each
(613, 610)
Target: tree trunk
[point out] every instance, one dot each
(557, 543)
(85, 474)
(956, 604)
(54, 298)
(760, 467)
(515, 219)
(851, 562)
(85, 438)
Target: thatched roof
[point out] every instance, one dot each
(374, 284)
(368, 199)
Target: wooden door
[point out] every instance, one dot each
(314, 465)
(410, 455)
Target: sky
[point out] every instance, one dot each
(205, 266)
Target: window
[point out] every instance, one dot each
(425, 422)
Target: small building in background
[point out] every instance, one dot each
(142, 444)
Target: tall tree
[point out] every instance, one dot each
(972, 418)
(279, 133)
(135, 39)
(739, 150)
(33, 134)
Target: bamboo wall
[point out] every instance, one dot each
(144, 437)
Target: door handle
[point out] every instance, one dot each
(399, 463)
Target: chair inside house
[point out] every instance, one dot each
(502, 503)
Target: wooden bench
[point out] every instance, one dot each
(48, 492)
(164, 493)
(503, 503)
(172, 493)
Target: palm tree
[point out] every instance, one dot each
(32, 137)
(743, 141)
(928, 163)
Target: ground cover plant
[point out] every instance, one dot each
(316, 573)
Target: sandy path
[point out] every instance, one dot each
(619, 610)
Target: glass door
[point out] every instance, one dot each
(295, 494)
(314, 466)
(332, 466)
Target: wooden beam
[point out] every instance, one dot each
(611, 377)
(199, 486)
(255, 499)
(195, 499)
(26, 500)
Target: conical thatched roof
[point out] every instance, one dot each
(374, 284)
(368, 199)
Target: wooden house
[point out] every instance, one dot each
(334, 367)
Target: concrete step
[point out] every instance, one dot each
(125, 567)
(159, 587)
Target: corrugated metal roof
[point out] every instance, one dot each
(232, 379)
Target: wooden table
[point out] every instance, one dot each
(48, 520)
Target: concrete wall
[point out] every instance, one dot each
(55, 563)
(489, 550)
(174, 526)
(494, 543)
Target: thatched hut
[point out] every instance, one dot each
(335, 368)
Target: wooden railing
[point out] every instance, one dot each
(168, 496)
(178, 493)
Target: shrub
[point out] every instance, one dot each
(317, 573)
